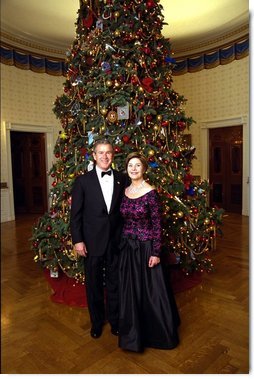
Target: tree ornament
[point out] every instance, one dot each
(63, 136)
(117, 33)
(112, 116)
(105, 66)
(103, 111)
(117, 149)
(109, 83)
(126, 139)
(150, 4)
(123, 112)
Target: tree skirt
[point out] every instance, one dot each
(67, 291)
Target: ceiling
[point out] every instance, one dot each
(193, 25)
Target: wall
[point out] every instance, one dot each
(27, 99)
(26, 105)
(220, 93)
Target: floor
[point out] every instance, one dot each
(42, 337)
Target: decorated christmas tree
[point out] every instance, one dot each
(119, 86)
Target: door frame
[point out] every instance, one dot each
(48, 131)
(204, 137)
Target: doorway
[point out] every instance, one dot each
(225, 168)
(29, 172)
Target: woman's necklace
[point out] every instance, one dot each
(134, 189)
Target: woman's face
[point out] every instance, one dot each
(135, 169)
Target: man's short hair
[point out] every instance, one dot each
(102, 141)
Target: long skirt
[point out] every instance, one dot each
(148, 311)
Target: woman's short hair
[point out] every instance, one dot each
(138, 155)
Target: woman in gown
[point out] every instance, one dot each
(148, 311)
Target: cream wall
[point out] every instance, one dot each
(216, 95)
(26, 105)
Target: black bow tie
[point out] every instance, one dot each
(105, 173)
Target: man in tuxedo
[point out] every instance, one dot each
(96, 227)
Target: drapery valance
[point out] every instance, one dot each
(42, 64)
(214, 58)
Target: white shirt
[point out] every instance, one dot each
(107, 185)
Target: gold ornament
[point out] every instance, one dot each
(206, 221)
(117, 33)
(116, 14)
(112, 116)
(159, 117)
(63, 135)
(151, 153)
(109, 83)
(180, 214)
(104, 111)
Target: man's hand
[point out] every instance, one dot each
(80, 249)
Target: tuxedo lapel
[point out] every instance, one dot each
(116, 189)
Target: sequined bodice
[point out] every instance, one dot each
(142, 219)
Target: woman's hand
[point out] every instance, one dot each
(153, 261)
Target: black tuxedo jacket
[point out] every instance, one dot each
(91, 222)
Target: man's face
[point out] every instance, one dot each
(103, 155)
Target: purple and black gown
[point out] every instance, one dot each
(148, 311)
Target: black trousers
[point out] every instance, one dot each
(102, 300)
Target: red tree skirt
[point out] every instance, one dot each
(67, 291)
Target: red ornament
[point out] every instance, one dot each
(35, 244)
(134, 79)
(176, 154)
(165, 123)
(54, 184)
(181, 125)
(126, 139)
(49, 228)
(147, 50)
(147, 84)
(149, 117)
(117, 149)
(88, 21)
(150, 4)
(57, 155)
(83, 151)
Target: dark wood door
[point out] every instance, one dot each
(29, 172)
(226, 168)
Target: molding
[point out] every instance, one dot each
(49, 146)
(210, 44)
(33, 46)
(204, 136)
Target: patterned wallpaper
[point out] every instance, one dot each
(214, 94)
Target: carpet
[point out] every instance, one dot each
(67, 291)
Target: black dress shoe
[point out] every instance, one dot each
(115, 331)
(96, 332)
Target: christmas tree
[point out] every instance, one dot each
(119, 86)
